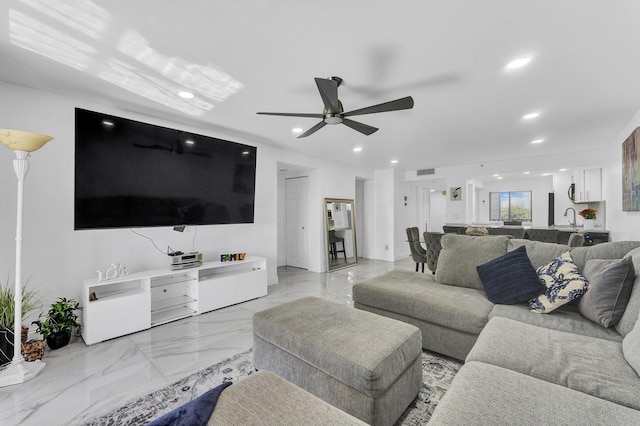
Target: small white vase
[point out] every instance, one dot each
(589, 223)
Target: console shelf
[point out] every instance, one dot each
(146, 299)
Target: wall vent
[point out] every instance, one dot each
(424, 172)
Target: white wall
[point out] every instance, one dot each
(400, 223)
(622, 225)
(57, 258)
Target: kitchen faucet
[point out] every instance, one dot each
(573, 224)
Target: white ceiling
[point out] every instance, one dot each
(247, 56)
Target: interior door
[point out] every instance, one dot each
(296, 222)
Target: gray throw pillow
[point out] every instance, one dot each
(610, 284)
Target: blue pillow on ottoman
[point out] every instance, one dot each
(511, 278)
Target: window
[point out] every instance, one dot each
(510, 206)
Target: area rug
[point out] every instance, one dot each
(437, 373)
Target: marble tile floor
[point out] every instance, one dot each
(80, 381)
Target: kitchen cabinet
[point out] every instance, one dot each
(588, 185)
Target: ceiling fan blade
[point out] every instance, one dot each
(329, 92)
(314, 129)
(398, 104)
(362, 128)
(291, 114)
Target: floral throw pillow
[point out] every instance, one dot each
(564, 284)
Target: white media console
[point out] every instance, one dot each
(145, 299)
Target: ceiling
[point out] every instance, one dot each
(242, 57)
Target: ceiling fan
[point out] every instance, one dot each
(334, 113)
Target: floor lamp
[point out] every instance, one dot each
(22, 143)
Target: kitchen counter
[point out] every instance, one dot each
(592, 236)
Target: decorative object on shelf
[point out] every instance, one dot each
(631, 172)
(22, 143)
(476, 230)
(116, 270)
(59, 323)
(232, 257)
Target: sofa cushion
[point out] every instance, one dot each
(510, 278)
(540, 253)
(610, 284)
(630, 316)
(631, 348)
(483, 394)
(610, 250)
(417, 296)
(593, 366)
(461, 255)
(564, 284)
(566, 318)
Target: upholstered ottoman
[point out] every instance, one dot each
(364, 364)
(266, 399)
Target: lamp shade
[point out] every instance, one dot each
(19, 140)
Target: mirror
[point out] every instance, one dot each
(341, 233)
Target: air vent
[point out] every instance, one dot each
(426, 172)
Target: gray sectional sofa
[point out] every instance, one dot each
(521, 367)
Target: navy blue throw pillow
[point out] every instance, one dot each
(511, 278)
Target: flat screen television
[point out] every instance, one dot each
(130, 174)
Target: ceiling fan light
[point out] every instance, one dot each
(333, 120)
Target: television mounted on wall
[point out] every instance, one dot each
(130, 174)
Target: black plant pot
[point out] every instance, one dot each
(6, 346)
(58, 339)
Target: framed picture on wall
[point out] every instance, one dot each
(631, 172)
(456, 193)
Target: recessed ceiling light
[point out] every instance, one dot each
(531, 116)
(496, 175)
(107, 122)
(296, 130)
(546, 174)
(563, 170)
(186, 95)
(526, 173)
(518, 63)
(394, 161)
(500, 177)
(432, 190)
(537, 141)
(189, 141)
(357, 149)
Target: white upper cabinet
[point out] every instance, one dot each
(588, 185)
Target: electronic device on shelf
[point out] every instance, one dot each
(180, 260)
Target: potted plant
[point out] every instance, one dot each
(30, 302)
(59, 322)
(589, 217)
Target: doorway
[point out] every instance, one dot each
(296, 217)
